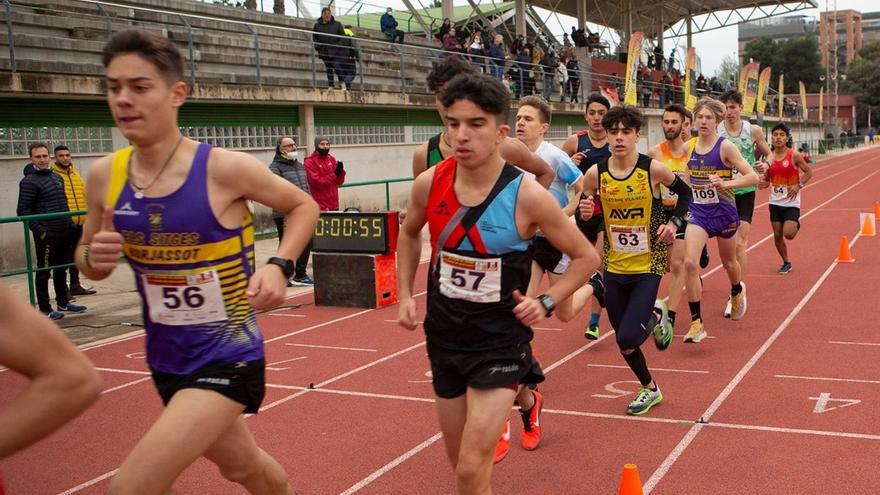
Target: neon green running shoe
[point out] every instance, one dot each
(592, 332)
(663, 331)
(644, 401)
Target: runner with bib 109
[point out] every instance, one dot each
(637, 234)
(713, 210)
(747, 138)
(481, 215)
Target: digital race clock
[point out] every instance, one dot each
(356, 232)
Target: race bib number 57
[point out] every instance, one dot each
(184, 299)
(470, 279)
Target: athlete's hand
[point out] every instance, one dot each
(586, 207)
(577, 157)
(401, 216)
(666, 233)
(763, 183)
(406, 314)
(106, 246)
(793, 191)
(266, 288)
(528, 309)
(761, 166)
(716, 182)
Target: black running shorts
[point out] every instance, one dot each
(453, 371)
(785, 214)
(548, 257)
(243, 382)
(745, 206)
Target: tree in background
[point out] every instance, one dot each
(797, 58)
(728, 70)
(863, 80)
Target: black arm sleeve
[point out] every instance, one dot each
(685, 195)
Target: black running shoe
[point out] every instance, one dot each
(704, 258)
(598, 284)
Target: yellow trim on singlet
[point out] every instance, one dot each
(678, 166)
(118, 175)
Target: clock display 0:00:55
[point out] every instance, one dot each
(344, 226)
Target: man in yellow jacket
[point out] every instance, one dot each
(75, 190)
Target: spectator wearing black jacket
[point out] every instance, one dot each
(286, 165)
(43, 192)
(332, 45)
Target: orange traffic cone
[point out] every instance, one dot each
(630, 484)
(868, 226)
(877, 209)
(844, 255)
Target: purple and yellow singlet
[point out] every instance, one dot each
(191, 271)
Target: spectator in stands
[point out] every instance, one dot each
(672, 55)
(332, 45)
(286, 165)
(562, 77)
(645, 84)
(715, 86)
(566, 42)
(350, 61)
(548, 68)
(325, 175)
(524, 80)
(498, 57)
(444, 28)
(676, 88)
(475, 50)
(389, 26)
(665, 90)
(75, 190)
(518, 44)
(574, 79)
(43, 192)
(702, 86)
(658, 57)
(730, 85)
(450, 43)
(870, 135)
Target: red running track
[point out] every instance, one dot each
(779, 402)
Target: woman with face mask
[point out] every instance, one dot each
(325, 175)
(286, 165)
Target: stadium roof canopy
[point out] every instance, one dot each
(647, 15)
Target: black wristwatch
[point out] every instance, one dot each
(287, 266)
(548, 303)
(677, 221)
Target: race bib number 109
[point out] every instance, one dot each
(184, 299)
(470, 279)
(705, 195)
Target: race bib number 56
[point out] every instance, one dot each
(184, 299)
(470, 279)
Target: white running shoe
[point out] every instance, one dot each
(738, 304)
(727, 308)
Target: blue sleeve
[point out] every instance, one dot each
(567, 172)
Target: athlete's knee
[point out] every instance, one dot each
(676, 266)
(790, 234)
(123, 484)
(245, 468)
(691, 265)
(470, 471)
(628, 341)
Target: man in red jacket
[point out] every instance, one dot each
(325, 175)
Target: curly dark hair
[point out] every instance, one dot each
(627, 116)
(444, 71)
(484, 91)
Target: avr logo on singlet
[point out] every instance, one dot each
(627, 213)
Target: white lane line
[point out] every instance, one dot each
(652, 368)
(679, 449)
(577, 351)
(828, 379)
(547, 329)
(111, 340)
(285, 315)
(395, 322)
(286, 361)
(853, 343)
(340, 377)
(352, 393)
(130, 372)
(324, 324)
(125, 385)
(331, 347)
(89, 483)
(839, 434)
(393, 464)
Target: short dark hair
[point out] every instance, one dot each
(734, 95)
(597, 98)
(60, 147)
(158, 51)
(484, 91)
(781, 127)
(36, 145)
(681, 110)
(444, 71)
(538, 104)
(625, 115)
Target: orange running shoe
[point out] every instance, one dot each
(503, 446)
(531, 432)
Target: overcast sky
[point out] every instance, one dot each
(712, 46)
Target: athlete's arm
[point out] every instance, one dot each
(663, 175)
(420, 160)
(654, 152)
(731, 157)
(574, 199)
(590, 185)
(514, 151)
(570, 145)
(762, 146)
(409, 249)
(100, 247)
(537, 209)
(240, 175)
(800, 163)
(62, 382)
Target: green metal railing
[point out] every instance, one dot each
(387, 183)
(29, 269)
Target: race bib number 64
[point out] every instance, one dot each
(470, 279)
(184, 299)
